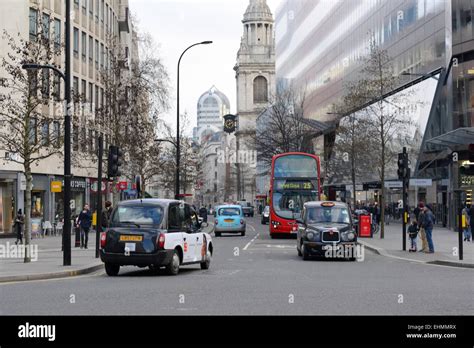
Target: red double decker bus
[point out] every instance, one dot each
(295, 179)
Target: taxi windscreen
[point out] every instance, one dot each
(229, 211)
(328, 214)
(138, 215)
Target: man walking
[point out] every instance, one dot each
(428, 222)
(106, 214)
(85, 221)
(471, 216)
(18, 226)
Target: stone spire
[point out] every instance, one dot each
(258, 11)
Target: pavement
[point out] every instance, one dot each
(252, 275)
(446, 244)
(47, 260)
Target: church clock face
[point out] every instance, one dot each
(229, 124)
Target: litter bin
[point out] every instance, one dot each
(365, 226)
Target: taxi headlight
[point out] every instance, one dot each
(348, 236)
(312, 235)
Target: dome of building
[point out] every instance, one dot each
(213, 92)
(258, 10)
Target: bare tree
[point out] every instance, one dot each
(282, 127)
(386, 121)
(21, 107)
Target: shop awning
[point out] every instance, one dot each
(460, 136)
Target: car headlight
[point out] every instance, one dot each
(348, 236)
(312, 235)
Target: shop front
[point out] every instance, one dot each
(78, 198)
(7, 202)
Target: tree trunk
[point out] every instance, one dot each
(382, 177)
(29, 181)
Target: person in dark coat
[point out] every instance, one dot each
(203, 213)
(85, 222)
(18, 226)
(106, 215)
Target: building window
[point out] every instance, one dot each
(45, 25)
(96, 53)
(84, 139)
(91, 140)
(57, 33)
(96, 98)
(91, 96)
(33, 24)
(76, 42)
(57, 133)
(84, 46)
(102, 54)
(57, 88)
(97, 4)
(75, 138)
(75, 89)
(33, 131)
(260, 90)
(45, 83)
(91, 49)
(102, 9)
(91, 7)
(45, 134)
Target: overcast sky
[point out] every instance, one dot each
(176, 24)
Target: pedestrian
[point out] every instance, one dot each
(85, 221)
(471, 215)
(422, 232)
(413, 233)
(467, 226)
(428, 222)
(106, 215)
(18, 226)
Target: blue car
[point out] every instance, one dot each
(229, 219)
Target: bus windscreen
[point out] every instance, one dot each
(295, 166)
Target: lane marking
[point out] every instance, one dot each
(253, 240)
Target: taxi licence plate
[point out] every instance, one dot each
(228, 220)
(131, 238)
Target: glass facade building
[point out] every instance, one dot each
(321, 45)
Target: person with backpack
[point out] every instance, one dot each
(85, 222)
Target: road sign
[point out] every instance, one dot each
(393, 184)
(421, 182)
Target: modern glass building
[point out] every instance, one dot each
(321, 45)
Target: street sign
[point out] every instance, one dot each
(358, 187)
(421, 182)
(372, 186)
(122, 185)
(393, 184)
(56, 186)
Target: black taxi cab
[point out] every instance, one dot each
(325, 229)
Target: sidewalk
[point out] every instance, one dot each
(444, 242)
(49, 260)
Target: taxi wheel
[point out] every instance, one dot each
(242, 234)
(299, 251)
(305, 253)
(112, 269)
(207, 263)
(172, 268)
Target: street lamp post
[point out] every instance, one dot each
(66, 239)
(178, 155)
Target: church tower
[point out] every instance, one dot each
(255, 77)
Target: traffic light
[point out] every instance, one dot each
(403, 170)
(114, 162)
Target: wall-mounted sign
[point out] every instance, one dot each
(421, 182)
(393, 184)
(230, 123)
(56, 186)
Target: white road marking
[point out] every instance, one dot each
(248, 244)
(234, 272)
